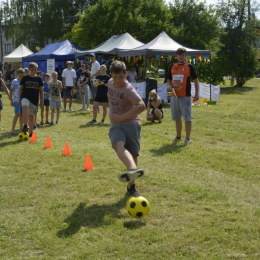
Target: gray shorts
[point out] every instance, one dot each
(55, 104)
(32, 109)
(127, 133)
(181, 106)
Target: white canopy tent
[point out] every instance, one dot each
(17, 54)
(113, 45)
(163, 44)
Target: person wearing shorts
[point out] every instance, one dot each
(69, 84)
(46, 100)
(101, 96)
(3, 86)
(31, 88)
(125, 129)
(95, 71)
(179, 77)
(14, 97)
(55, 87)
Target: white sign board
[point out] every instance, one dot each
(50, 66)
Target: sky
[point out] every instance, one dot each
(212, 2)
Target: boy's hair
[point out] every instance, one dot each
(26, 70)
(33, 65)
(117, 67)
(54, 72)
(103, 66)
(181, 51)
(47, 75)
(39, 72)
(20, 70)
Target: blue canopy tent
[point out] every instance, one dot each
(60, 51)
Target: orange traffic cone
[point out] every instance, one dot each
(48, 142)
(88, 163)
(66, 151)
(33, 137)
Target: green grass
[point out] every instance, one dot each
(205, 197)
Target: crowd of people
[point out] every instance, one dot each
(29, 90)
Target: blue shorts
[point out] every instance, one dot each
(17, 109)
(46, 102)
(129, 134)
(67, 92)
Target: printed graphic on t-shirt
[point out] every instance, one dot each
(177, 78)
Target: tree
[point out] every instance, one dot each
(37, 22)
(195, 25)
(142, 19)
(237, 53)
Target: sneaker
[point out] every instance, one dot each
(57, 122)
(132, 192)
(35, 127)
(187, 141)
(71, 110)
(51, 124)
(64, 110)
(176, 139)
(87, 109)
(130, 175)
(47, 122)
(41, 123)
(25, 129)
(103, 121)
(93, 121)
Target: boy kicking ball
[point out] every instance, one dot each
(125, 105)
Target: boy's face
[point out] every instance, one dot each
(103, 70)
(54, 76)
(32, 71)
(119, 78)
(47, 79)
(19, 76)
(181, 57)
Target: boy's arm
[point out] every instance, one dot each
(63, 82)
(5, 88)
(20, 95)
(41, 97)
(11, 95)
(139, 107)
(196, 83)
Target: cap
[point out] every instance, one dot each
(92, 54)
(68, 62)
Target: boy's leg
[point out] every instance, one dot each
(58, 114)
(52, 115)
(20, 121)
(47, 114)
(31, 123)
(188, 129)
(42, 112)
(25, 116)
(14, 121)
(70, 103)
(104, 105)
(178, 124)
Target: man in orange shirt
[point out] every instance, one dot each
(179, 82)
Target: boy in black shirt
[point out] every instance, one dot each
(30, 88)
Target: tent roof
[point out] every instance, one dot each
(163, 45)
(63, 50)
(17, 54)
(113, 45)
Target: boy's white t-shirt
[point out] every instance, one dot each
(69, 75)
(95, 67)
(16, 88)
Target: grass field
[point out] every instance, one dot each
(205, 197)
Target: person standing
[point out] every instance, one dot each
(69, 84)
(125, 129)
(83, 82)
(179, 82)
(101, 96)
(46, 106)
(30, 88)
(95, 70)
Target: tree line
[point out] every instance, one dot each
(229, 28)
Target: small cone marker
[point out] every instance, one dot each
(66, 151)
(88, 163)
(33, 137)
(48, 142)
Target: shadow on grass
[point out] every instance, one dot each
(14, 140)
(98, 124)
(92, 216)
(235, 90)
(168, 148)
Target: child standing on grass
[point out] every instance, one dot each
(2, 85)
(125, 105)
(55, 87)
(46, 92)
(14, 97)
(30, 88)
